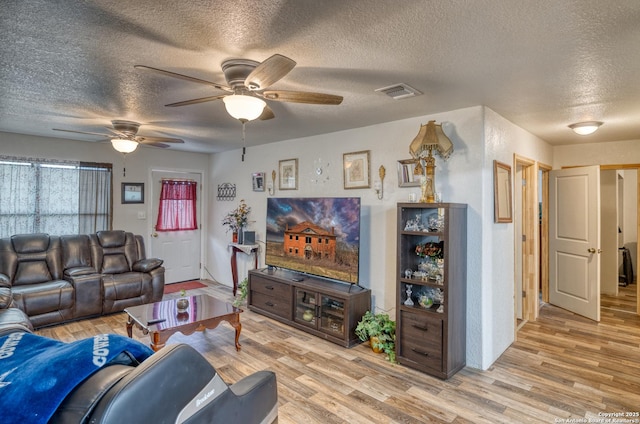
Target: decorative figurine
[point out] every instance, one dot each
(408, 302)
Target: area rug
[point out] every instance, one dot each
(185, 285)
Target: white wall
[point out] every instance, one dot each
(138, 169)
(465, 178)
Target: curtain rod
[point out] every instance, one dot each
(178, 179)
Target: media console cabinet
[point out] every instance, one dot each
(324, 308)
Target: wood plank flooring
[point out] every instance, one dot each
(624, 301)
(562, 366)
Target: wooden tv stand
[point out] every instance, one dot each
(324, 308)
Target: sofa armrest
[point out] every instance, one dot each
(5, 297)
(146, 265)
(4, 281)
(78, 271)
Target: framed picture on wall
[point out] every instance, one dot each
(502, 192)
(257, 179)
(356, 170)
(132, 193)
(288, 174)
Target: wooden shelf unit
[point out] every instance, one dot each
(324, 308)
(427, 340)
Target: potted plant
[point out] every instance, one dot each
(242, 294)
(380, 330)
(237, 219)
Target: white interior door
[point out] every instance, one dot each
(180, 250)
(574, 240)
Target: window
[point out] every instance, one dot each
(177, 209)
(307, 240)
(54, 197)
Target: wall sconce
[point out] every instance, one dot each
(378, 186)
(271, 187)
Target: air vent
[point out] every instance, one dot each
(399, 91)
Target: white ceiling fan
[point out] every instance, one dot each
(248, 85)
(125, 139)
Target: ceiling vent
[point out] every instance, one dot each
(399, 91)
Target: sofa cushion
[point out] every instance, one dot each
(37, 299)
(30, 243)
(76, 252)
(32, 272)
(111, 238)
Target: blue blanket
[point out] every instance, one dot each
(37, 373)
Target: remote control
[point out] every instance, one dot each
(156, 321)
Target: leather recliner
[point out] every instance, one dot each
(128, 279)
(174, 385)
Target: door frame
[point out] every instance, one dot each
(204, 202)
(636, 166)
(530, 256)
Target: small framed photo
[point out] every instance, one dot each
(132, 193)
(258, 181)
(356, 170)
(288, 174)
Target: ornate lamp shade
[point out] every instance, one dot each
(429, 138)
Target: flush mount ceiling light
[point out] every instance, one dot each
(244, 108)
(123, 145)
(585, 128)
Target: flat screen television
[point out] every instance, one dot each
(319, 236)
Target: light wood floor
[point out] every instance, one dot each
(624, 301)
(561, 367)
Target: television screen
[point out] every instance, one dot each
(318, 236)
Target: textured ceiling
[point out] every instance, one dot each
(542, 64)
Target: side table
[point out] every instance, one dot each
(247, 249)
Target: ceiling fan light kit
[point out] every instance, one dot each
(244, 108)
(585, 128)
(123, 145)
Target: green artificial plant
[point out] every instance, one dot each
(383, 331)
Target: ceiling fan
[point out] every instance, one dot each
(248, 85)
(124, 136)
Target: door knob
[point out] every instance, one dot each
(154, 234)
(591, 250)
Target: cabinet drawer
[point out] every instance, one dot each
(421, 340)
(270, 287)
(280, 306)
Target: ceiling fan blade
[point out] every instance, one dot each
(269, 71)
(196, 101)
(267, 113)
(83, 132)
(151, 140)
(162, 145)
(302, 97)
(184, 77)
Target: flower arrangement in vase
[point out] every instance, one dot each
(237, 219)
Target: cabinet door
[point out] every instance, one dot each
(306, 307)
(332, 315)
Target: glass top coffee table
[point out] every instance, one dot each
(162, 319)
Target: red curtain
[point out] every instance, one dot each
(177, 211)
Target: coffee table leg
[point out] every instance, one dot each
(130, 327)
(235, 323)
(158, 340)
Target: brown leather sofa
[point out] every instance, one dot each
(54, 279)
